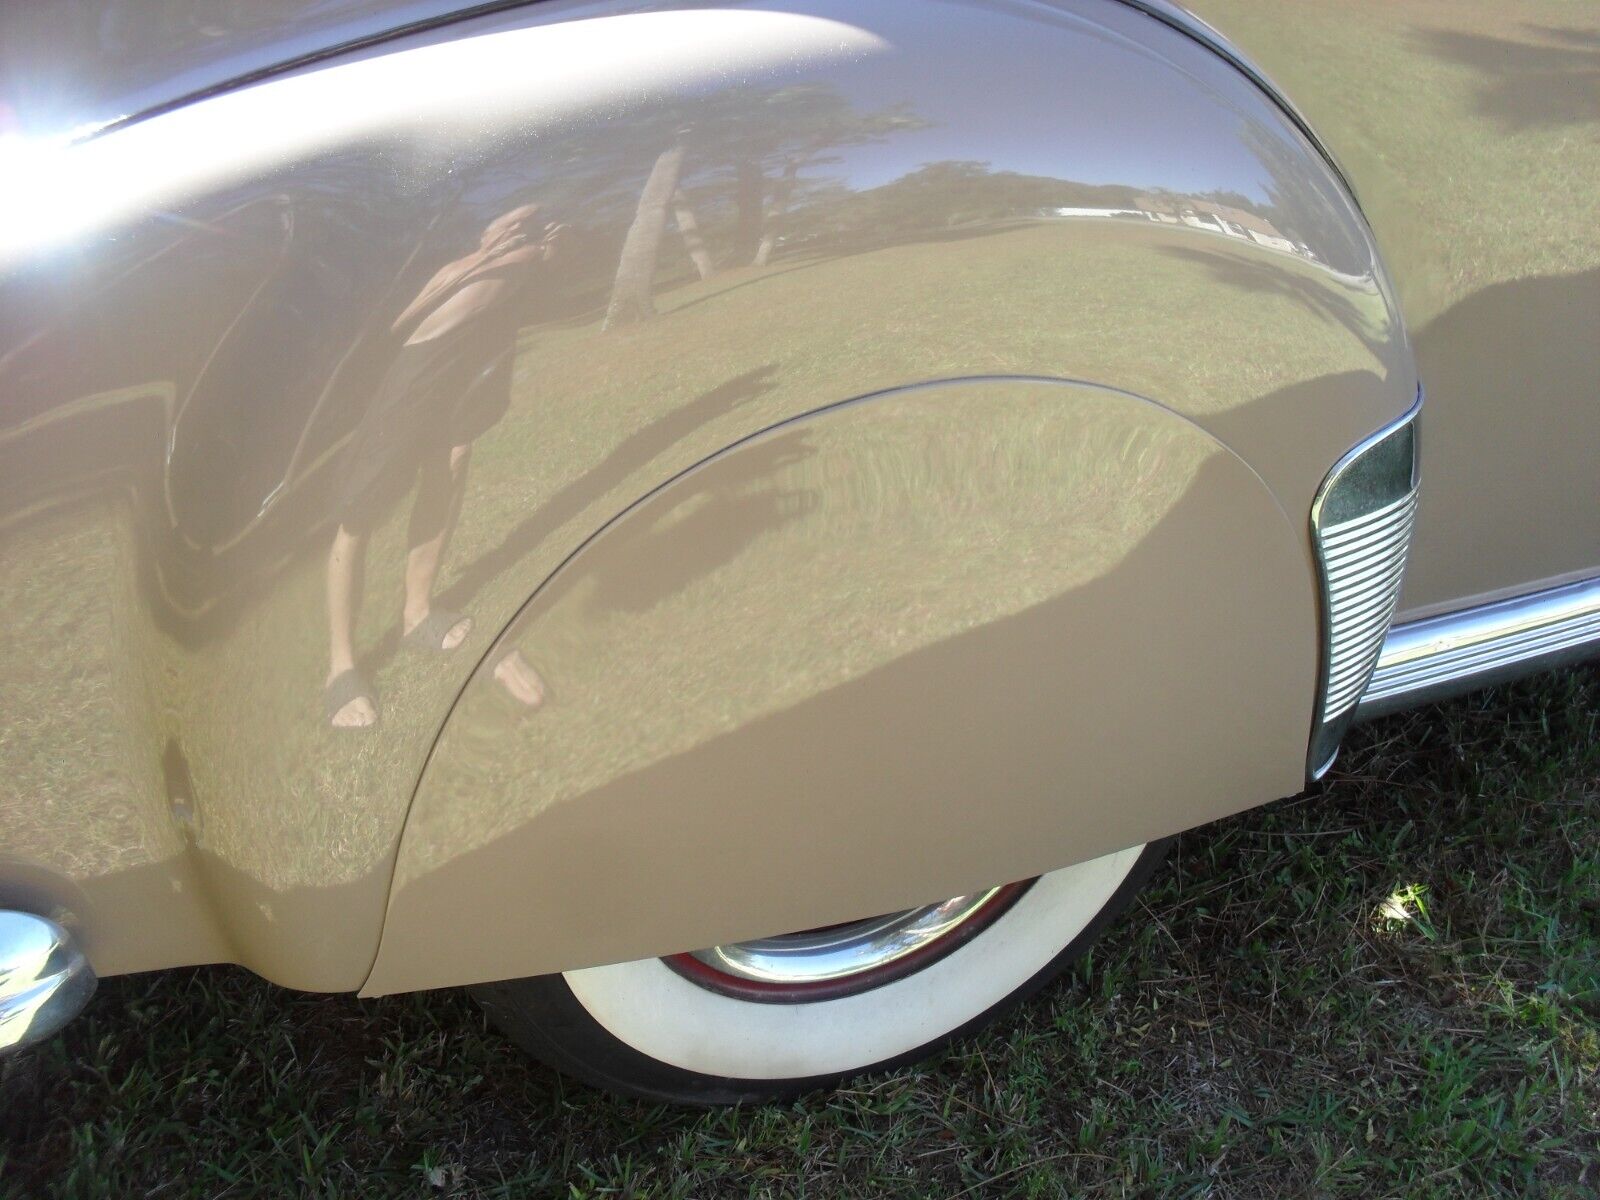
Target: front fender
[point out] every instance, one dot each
(879, 197)
(955, 634)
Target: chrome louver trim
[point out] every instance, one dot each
(1363, 560)
(1361, 524)
(1440, 656)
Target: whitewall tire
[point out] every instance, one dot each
(724, 1034)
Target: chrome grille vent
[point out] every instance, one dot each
(1361, 527)
(1362, 561)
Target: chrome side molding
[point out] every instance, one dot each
(1441, 656)
(44, 979)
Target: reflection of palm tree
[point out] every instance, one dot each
(630, 294)
(755, 130)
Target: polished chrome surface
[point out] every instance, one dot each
(1365, 560)
(1455, 652)
(44, 979)
(1361, 527)
(840, 951)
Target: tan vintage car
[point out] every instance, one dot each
(557, 497)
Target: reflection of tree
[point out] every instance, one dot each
(745, 134)
(940, 196)
(636, 267)
(726, 169)
(1528, 84)
(801, 123)
(1301, 204)
(689, 228)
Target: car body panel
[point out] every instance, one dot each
(71, 69)
(196, 311)
(1471, 133)
(947, 634)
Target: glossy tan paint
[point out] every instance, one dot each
(1471, 132)
(198, 311)
(776, 699)
(882, 653)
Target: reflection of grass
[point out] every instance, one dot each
(1473, 167)
(596, 420)
(75, 753)
(873, 534)
(1245, 1032)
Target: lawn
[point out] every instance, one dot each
(1387, 987)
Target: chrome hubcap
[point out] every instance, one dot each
(841, 952)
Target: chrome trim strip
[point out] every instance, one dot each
(1442, 656)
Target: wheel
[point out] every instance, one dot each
(771, 1018)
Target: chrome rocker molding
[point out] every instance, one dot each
(1442, 656)
(44, 979)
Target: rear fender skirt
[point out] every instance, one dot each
(948, 634)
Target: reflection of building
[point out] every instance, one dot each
(1094, 212)
(1197, 214)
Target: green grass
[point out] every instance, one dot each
(1389, 987)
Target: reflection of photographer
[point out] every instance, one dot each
(461, 289)
(448, 385)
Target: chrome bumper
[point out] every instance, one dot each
(44, 979)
